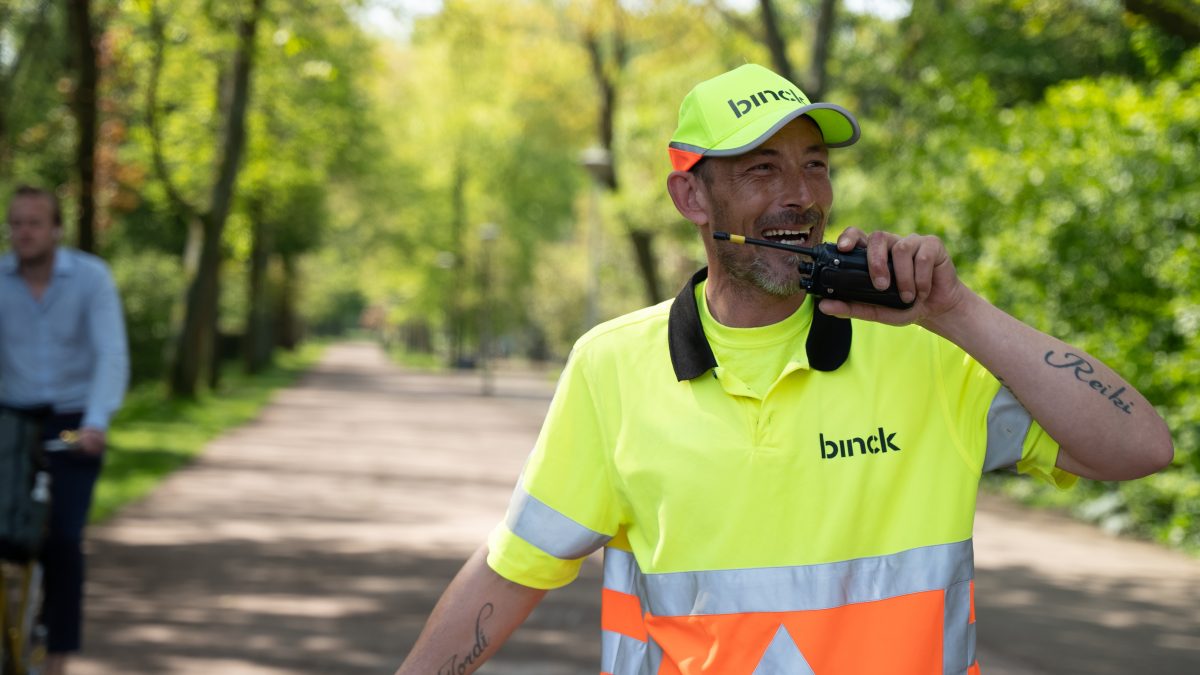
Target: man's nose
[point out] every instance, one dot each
(797, 192)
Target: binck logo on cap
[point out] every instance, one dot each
(744, 106)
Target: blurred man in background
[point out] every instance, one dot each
(62, 345)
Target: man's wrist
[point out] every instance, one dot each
(957, 323)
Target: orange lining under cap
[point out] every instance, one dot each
(682, 160)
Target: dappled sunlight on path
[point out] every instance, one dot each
(1069, 598)
(316, 539)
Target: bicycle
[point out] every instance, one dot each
(22, 635)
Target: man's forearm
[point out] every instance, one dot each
(474, 617)
(1107, 430)
(110, 375)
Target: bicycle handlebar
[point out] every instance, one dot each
(67, 441)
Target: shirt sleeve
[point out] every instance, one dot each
(993, 422)
(564, 506)
(106, 329)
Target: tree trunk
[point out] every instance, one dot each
(84, 107)
(218, 350)
(287, 326)
(257, 343)
(820, 54)
(458, 267)
(775, 42)
(200, 316)
(606, 73)
(1181, 19)
(195, 349)
(643, 248)
(5, 148)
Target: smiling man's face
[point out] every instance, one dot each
(778, 191)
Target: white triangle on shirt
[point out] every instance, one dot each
(783, 657)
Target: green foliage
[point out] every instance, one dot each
(35, 125)
(1021, 47)
(149, 283)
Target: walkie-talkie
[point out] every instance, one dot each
(832, 273)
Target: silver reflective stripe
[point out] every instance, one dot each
(971, 657)
(783, 657)
(791, 589)
(549, 530)
(957, 653)
(621, 573)
(1007, 425)
(654, 663)
(688, 148)
(623, 655)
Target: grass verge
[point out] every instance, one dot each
(153, 435)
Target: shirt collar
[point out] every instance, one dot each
(64, 263)
(828, 343)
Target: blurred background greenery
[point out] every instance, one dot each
(459, 178)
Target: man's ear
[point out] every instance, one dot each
(690, 196)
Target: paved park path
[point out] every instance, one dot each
(316, 539)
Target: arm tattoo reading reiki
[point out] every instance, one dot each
(1083, 371)
(456, 666)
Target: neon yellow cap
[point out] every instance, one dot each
(737, 111)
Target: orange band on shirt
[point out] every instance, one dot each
(622, 613)
(905, 637)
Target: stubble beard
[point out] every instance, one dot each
(758, 273)
(747, 264)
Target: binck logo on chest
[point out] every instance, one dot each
(876, 443)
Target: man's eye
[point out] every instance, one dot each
(761, 167)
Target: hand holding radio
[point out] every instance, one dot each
(834, 274)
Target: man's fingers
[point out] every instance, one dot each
(878, 245)
(851, 238)
(92, 441)
(836, 308)
(864, 312)
(922, 274)
(926, 259)
(903, 261)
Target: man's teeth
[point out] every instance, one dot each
(786, 236)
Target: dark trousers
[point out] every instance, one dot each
(72, 478)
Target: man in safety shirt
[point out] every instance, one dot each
(776, 479)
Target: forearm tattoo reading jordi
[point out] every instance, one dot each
(458, 666)
(1083, 372)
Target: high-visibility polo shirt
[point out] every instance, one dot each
(823, 527)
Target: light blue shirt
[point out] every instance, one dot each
(67, 349)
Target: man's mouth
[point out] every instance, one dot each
(790, 237)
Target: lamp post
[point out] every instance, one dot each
(447, 262)
(488, 233)
(598, 163)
